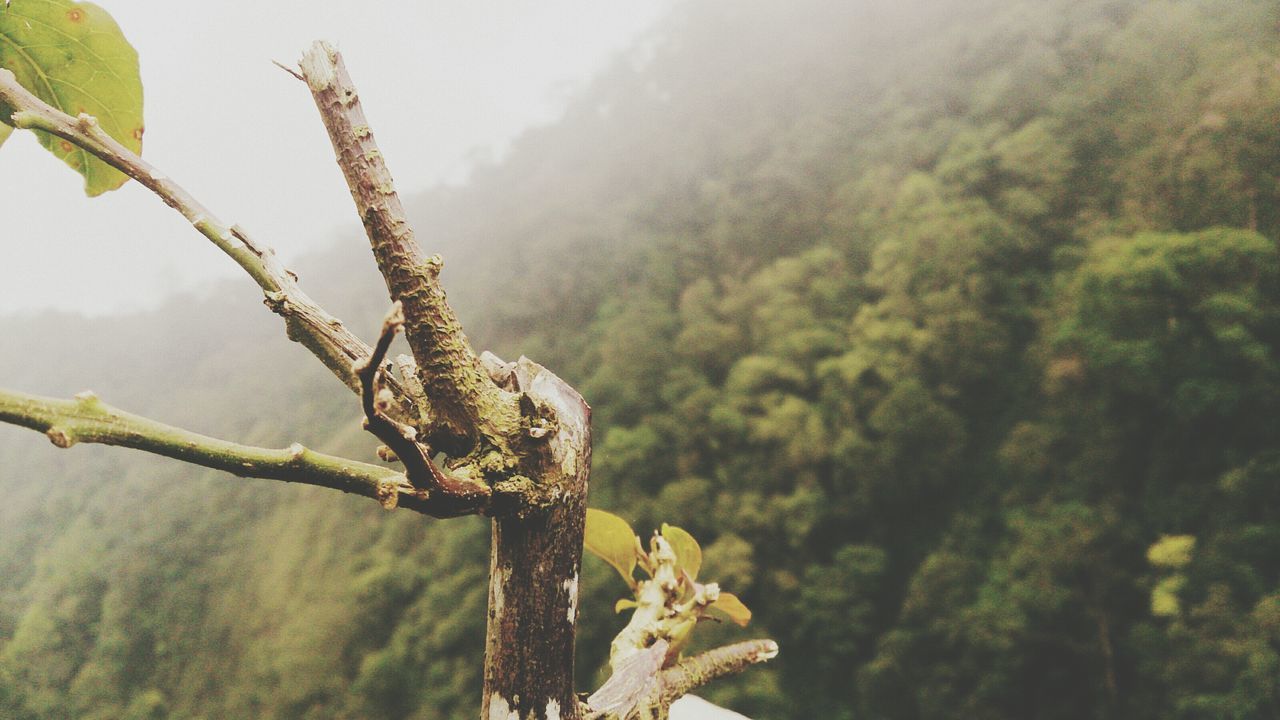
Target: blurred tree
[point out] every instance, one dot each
(929, 322)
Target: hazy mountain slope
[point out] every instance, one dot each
(911, 315)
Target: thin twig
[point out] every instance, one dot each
(691, 673)
(401, 438)
(86, 419)
(288, 69)
(306, 322)
(638, 689)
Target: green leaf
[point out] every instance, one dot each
(688, 552)
(73, 56)
(611, 539)
(732, 608)
(4, 132)
(624, 604)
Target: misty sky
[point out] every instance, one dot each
(444, 83)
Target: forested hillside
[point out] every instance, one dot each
(951, 331)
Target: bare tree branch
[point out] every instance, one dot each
(639, 690)
(692, 673)
(306, 322)
(465, 404)
(86, 419)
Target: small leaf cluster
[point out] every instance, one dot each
(611, 538)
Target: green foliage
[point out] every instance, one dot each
(611, 539)
(688, 552)
(732, 608)
(73, 56)
(944, 329)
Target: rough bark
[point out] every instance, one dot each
(534, 564)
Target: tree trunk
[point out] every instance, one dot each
(534, 564)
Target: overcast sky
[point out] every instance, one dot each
(443, 82)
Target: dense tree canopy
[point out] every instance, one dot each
(951, 331)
